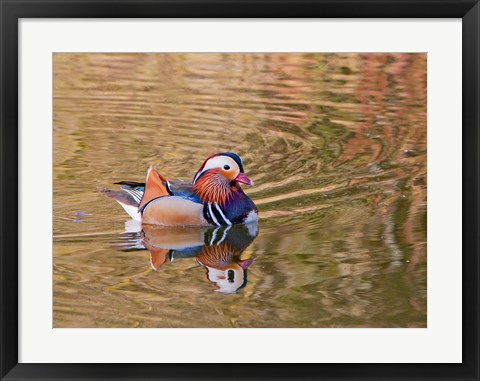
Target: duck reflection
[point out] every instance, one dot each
(221, 251)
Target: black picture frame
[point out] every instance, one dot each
(12, 11)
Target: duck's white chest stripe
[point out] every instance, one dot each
(224, 234)
(225, 219)
(214, 236)
(212, 216)
(215, 215)
(214, 241)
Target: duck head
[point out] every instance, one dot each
(219, 177)
(227, 262)
(226, 267)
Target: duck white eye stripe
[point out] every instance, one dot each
(216, 162)
(196, 177)
(223, 215)
(212, 216)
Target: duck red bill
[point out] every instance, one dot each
(242, 178)
(245, 263)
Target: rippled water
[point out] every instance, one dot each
(336, 144)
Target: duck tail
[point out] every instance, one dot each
(127, 198)
(155, 186)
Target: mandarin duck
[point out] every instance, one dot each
(220, 250)
(214, 198)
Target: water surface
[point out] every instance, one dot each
(336, 144)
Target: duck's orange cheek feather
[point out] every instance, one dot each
(229, 175)
(173, 211)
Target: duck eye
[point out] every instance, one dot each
(226, 167)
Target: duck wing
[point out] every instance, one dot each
(178, 188)
(184, 190)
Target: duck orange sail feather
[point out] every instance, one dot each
(154, 187)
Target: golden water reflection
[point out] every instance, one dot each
(219, 250)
